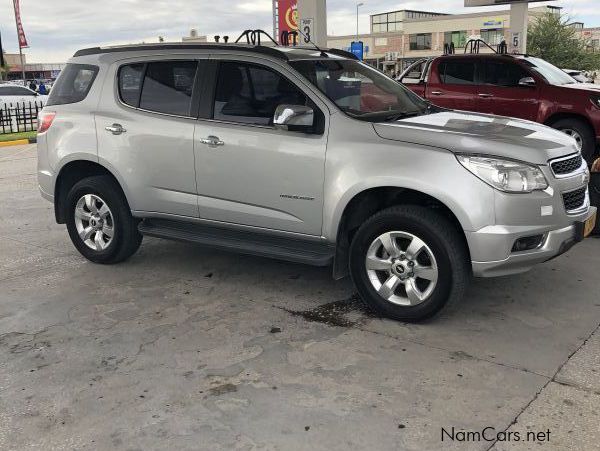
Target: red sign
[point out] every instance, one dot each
(287, 16)
(20, 32)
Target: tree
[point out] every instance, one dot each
(550, 37)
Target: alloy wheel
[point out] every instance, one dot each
(401, 268)
(94, 222)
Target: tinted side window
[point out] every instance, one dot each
(250, 94)
(457, 72)
(503, 73)
(73, 84)
(130, 83)
(168, 87)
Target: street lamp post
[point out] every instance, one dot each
(358, 5)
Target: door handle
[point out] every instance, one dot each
(437, 93)
(485, 96)
(115, 129)
(212, 141)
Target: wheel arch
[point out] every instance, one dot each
(71, 173)
(555, 117)
(371, 200)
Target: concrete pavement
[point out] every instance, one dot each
(187, 348)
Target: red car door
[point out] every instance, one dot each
(508, 89)
(453, 83)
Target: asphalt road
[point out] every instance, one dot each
(185, 348)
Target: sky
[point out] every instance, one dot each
(55, 29)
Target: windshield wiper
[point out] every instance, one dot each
(403, 115)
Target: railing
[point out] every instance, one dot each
(19, 117)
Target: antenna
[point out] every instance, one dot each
(307, 39)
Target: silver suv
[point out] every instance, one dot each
(309, 156)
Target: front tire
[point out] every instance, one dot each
(408, 262)
(582, 133)
(99, 221)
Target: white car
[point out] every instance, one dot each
(577, 75)
(14, 95)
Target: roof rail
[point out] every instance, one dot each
(265, 50)
(340, 52)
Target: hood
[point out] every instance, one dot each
(591, 87)
(462, 132)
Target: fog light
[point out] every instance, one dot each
(527, 243)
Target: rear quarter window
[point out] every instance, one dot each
(73, 84)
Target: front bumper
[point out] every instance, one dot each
(555, 242)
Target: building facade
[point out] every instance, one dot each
(33, 71)
(399, 38)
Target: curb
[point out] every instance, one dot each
(18, 142)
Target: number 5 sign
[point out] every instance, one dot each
(306, 26)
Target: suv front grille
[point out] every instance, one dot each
(563, 167)
(574, 200)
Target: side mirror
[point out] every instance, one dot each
(295, 116)
(527, 81)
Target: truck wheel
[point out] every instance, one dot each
(99, 221)
(581, 133)
(408, 262)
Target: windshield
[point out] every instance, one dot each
(550, 73)
(361, 91)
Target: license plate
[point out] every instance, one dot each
(589, 225)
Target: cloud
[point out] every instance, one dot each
(55, 29)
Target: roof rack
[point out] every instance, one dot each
(474, 45)
(253, 44)
(253, 37)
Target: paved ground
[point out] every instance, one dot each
(185, 348)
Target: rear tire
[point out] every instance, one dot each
(408, 262)
(99, 221)
(582, 133)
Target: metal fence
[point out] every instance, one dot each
(19, 117)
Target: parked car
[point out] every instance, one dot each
(13, 95)
(578, 75)
(311, 157)
(512, 85)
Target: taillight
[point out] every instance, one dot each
(45, 121)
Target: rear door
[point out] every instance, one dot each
(259, 175)
(145, 127)
(453, 83)
(500, 92)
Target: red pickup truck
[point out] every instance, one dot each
(511, 85)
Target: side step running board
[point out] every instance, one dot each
(243, 242)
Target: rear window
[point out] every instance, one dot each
(457, 72)
(73, 84)
(162, 87)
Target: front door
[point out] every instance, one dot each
(250, 172)
(146, 134)
(453, 83)
(500, 92)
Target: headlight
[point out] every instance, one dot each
(596, 101)
(505, 175)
